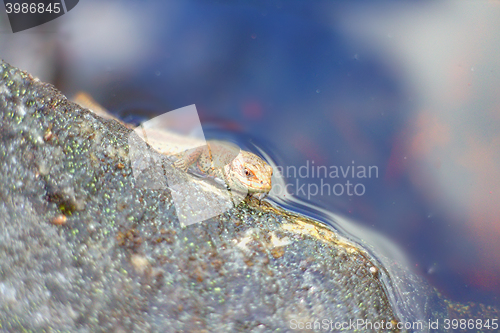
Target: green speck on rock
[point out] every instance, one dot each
(67, 208)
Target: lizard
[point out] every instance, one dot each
(239, 169)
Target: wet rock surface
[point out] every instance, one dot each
(83, 248)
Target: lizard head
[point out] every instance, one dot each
(252, 172)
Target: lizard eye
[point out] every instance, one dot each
(248, 173)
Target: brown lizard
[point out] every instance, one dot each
(238, 168)
(244, 171)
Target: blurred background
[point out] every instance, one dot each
(411, 88)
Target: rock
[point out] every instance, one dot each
(83, 248)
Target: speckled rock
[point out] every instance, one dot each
(84, 249)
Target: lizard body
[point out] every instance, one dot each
(217, 159)
(238, 168)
